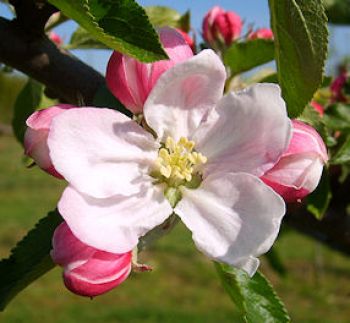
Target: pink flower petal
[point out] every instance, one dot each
(233, 218)
(247, 132)
(113, 224)
(184, 95)
(131, 81)
(101, 152)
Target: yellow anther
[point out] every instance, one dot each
(176, 160)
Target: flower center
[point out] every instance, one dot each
(177, 161)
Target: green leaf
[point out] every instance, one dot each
(27, 102)
(301, 35)
(254, 297)
(162, 16)
(105, 99)
(342, 155)
(81, 39)
(29, 260)
(120, 24)
(338, 11)
(318, 200)
(241, 57)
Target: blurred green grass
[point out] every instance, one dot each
(183, 286)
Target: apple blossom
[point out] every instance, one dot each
(35, 138)
(262, 33)
(299, 170)
(202, 161)
(131, 81)
(220, 26)
(88, 271)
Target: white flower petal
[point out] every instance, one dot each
(247, 132)
(184, 94)
(101, 152)
(233, 218)
(113, 224)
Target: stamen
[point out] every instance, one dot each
(177, 161)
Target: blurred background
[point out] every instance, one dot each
(312, 280)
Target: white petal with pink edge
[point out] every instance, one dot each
(302, 170)
(113, 224)
(247, 131)
(233, 218)
(101, 152)
(184, 95)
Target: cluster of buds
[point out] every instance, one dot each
(221, 28)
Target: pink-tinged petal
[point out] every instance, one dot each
(299, 170)
(184, 95)
(67, 250)
(35, 138)
(247, 132)
(88, 271)
(101, 152)
(306, 139)
(81, 287)
(188, 39)
(233, 218)
(131, 81)
(262, 33)
(113, 224)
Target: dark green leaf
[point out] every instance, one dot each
(301, 35)
(318, 201)
(81, 39)
(185, 22)
(120, 24)
(254, 297)
(338, 11)
(29, 260)
(105, 99)
(27, 102)
(342, 155)
(241, 57)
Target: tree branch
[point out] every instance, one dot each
(65, 76)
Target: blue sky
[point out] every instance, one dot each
(251, 11)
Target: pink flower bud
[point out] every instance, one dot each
(262, 33)
(131, 81)
(318, 107)
(55, 38)
(35, 138)
(299, 170)
(337, 87)
(87, 271)
(188, 39)
(221, 26)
